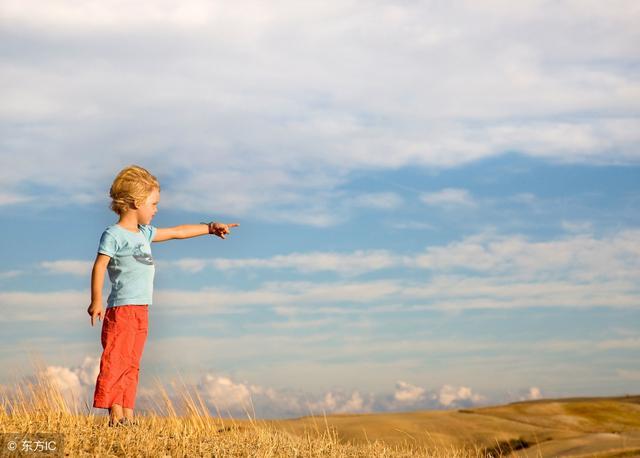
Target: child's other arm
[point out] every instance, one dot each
(97, 281)
(97, 276)
(186, 231)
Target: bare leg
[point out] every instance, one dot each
(128, 413)
(115, 413)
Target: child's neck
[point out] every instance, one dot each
(129, 223)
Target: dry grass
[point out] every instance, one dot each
(40, 407)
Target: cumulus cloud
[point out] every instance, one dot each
(237, 398)
(240, 397)
(412, 397)
(462, 396)
(63, 378)
(525, 394)
(223, 393)
(76, 384)
(228, 396)
(408, 393)
(340, 402)
(535, 393)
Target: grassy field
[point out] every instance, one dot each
(603, 427)
(607, 427)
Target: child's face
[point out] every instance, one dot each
(150, 207)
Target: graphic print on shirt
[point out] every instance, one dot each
(141, 256)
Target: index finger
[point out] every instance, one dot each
(233, 225)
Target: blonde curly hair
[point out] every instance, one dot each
(131, 188)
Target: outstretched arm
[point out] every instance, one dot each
(186, 231)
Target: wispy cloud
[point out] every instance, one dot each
(349, 264)
(11, 199)
(508, 272)
(412, 225)
(627, 374)
(627, 343)
(380, 200)
(448, 197)
(10, 273)
(577, 226)
(67, 266)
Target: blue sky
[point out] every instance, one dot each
(435, 210)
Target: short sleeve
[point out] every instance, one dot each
(149, 231)
(108, 244)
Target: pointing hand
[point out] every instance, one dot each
(220, 229)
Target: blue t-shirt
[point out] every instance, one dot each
(131, 267)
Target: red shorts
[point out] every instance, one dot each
(124, 331)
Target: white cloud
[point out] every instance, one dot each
(534, 393)
(577, 226)
(448, 197)
(76, 384)
(11, 198)
(510, 272)
(524, 197)
(364, 88)
(63, 378)
(408, 393)
(10, 273)
(627, 374)
(412, 225)
(380, 200)
(526, 394)
(613, 344)
(451, 396)
(107, 16)
(229, 396)
(42, 306)
(192, 265)
(339, 402)
(580, 257)
(68, 266)
(224, 394)
(349, 264)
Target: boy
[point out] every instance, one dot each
(125, 251)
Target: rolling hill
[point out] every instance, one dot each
(598, 426)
